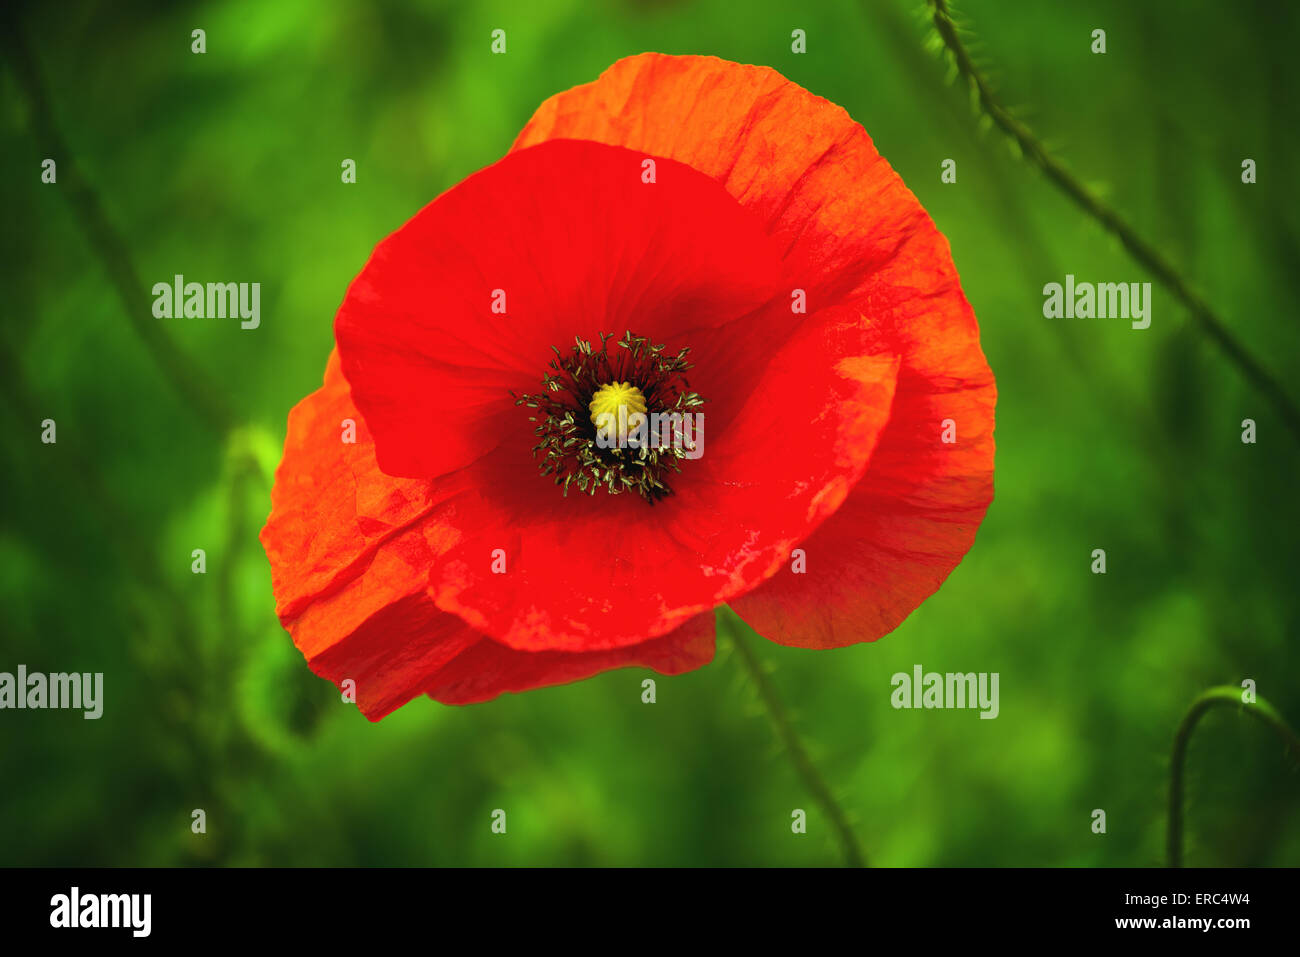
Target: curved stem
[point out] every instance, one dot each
(1227, 696)
(1146, 254)
(798, 753)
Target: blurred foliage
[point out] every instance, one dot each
(226, 165)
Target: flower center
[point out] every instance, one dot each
(620, 417)
(614, 407)
(617, 399)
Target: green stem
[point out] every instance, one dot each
(185, 376)
(798, 753)
(1226, 696)
(1146, 254)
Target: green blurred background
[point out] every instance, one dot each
(226, 166)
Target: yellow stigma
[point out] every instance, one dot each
(612, 396)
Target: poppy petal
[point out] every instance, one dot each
(910, 519)
(348, 570)
(569, 240)
(488, 668)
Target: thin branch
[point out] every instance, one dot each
(1222, 696)
(1146, 254)
(186, 377)
(798, 753)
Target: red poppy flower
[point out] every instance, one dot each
(684, 235)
